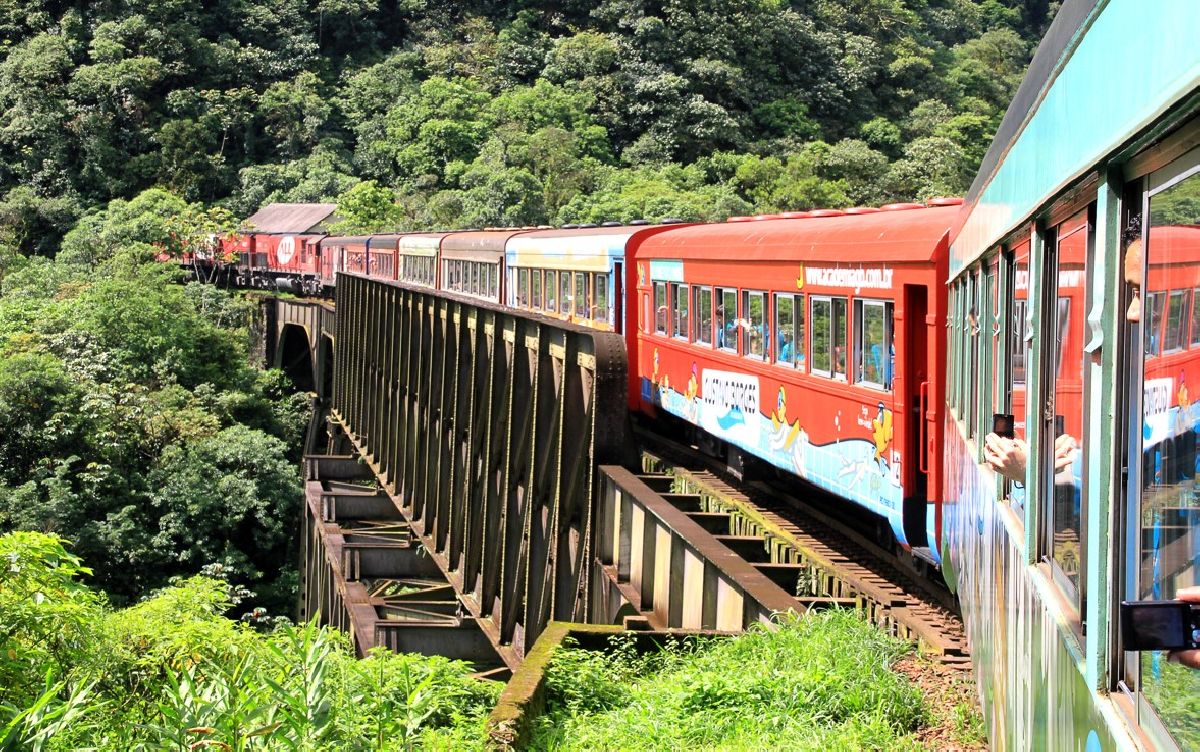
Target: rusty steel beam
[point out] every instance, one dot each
(366, 573)
(661, 555)
(485, 427)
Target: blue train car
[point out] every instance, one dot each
(1074, 318)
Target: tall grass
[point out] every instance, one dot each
(821, 682)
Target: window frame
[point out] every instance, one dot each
(661, 315)
(798, 361)
(887, 309)
(680, 310)
(722, 295)
(764, 330)
(702, 334)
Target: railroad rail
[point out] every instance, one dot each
(837, 562)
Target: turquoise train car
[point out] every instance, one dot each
(1074, 315)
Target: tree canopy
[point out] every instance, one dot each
(479, 113)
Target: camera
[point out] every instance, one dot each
(1160, 625)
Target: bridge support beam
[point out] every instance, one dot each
(484, 428)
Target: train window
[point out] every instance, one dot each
(551, 291)
(821, 317)
(535, 288)
(1176, 310)
(1018, 353)
(679, 310)
(583, 297)
(564, 293)
(838, 337)
(971, 334)
(1195, 341)
(703, 315)
(755, 331)
(874, 351)
(785, 329)
(1164, 515)
(727, 319)
(996, 395)
(1065, 438)
(1153, 316)
(660, 307)
(601, 299)
(523, 288)
(495, 277)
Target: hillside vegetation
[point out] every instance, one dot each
(484, 113)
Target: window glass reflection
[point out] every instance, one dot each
(1168, 510)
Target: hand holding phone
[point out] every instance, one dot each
(1002, 425)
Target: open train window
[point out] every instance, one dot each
(564, 293)
(535, 288)
(756, 334)
(523, 288)
(704, 315)
(874, 353)
(679, 310)
(727, 319)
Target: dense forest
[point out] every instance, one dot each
(133, 420)
(499, 113)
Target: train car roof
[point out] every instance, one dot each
(581, 241)
(291, 219)
(422, 241)
(912, 235)
(481, 244)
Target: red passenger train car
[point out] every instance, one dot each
(813, 343)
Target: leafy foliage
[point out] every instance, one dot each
(131, 419)
(493, 112)
(173, 673)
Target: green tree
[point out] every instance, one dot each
(367, 208)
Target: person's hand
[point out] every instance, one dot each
(1189, 658)
(1065, 449)
(1006, 456)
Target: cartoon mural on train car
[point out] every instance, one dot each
(857, 460)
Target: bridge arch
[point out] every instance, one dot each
(295, 357)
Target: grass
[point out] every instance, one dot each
(823, 682)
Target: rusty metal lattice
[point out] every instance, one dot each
(485, 428)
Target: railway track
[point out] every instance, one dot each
(840, 564)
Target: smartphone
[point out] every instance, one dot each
(1060, 425)
(1002, 425)
(1160, 625)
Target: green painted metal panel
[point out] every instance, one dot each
(1136, 60)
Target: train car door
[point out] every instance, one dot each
(618, 299)
(919, 429)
